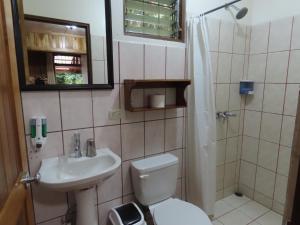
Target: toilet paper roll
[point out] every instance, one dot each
(157, 101)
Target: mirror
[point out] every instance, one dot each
(63, 44)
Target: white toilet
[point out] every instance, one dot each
(154, 182)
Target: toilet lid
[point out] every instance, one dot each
(177, 212)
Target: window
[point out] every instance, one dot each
(161, 19)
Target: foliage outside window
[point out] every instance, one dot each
(154, 18)
(68, 69)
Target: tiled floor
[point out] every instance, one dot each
(235, 210)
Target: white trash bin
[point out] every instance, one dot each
(128, 214)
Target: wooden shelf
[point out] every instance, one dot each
(179, 85)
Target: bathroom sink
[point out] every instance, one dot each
(71, 174)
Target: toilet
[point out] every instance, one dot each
(154, 182)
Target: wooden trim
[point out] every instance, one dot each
(12, 210)
(17, 102)
(22, 65)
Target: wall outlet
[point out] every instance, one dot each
(114, 114)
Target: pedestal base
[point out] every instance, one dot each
(86, 210)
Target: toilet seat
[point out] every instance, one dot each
(177, 212)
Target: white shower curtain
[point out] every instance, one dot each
(201, 119)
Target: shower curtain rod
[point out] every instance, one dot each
(221, 7)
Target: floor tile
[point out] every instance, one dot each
(236, 201)
(221, 208)
(253, 209)
(271, 218)
(235, 217)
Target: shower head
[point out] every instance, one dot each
(241, 13)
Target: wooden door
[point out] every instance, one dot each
(15, 198)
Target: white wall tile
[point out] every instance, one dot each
(131, 61)
(270, 127)
(255, 101)
(126, 178)
(175, 63)
(214, 64)
(76, 109)
(224, 68)
(220, 177)
(250, 149)
(274, 91)
(237, 70)
(296, 33)
(226, 37)
(109, 137)
(247, 174)
(221, 129)
(221, 151)
(280, 34)
(277, 66)
(104, 103)
(231, 149)
(257, 67)
(132, 140)
(213, 33)
(267, 155)
(284, 160)
(222, 97)
(48, 204)
(234, 97)
(42, 104)
(252, 123)
(111, 188)
(154, 137)
(259, 38)
(240, 35)
(229, 178)
(294, 67)
(97, 44)
(99, 76)
(280, 188)
(265, 182)
(233, 125)
(287, 130)
(173, 133)
(155, 62)
(291, 99)
(69, 142)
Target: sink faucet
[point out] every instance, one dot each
(77, 149)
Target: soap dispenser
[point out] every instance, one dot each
(38, 132)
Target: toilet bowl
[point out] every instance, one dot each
(154, 183)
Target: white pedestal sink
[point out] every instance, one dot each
(80, 175)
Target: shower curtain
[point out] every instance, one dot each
(201, 119)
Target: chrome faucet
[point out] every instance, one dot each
(77, 149)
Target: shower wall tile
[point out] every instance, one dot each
(275, 45)
(226, 37)
(224, 68)
(274, 91)
(296, 33)
(213, 34)
(240, 36)
(277, 67)
(259, 38)
(222, 97)
(294, 67)
(133, 136)
(280, 34)
(257, 67)
(237, 70)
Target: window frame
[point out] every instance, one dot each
(181, 39)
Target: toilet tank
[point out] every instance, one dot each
(154, 178)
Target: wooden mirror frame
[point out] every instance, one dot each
(18, 17)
